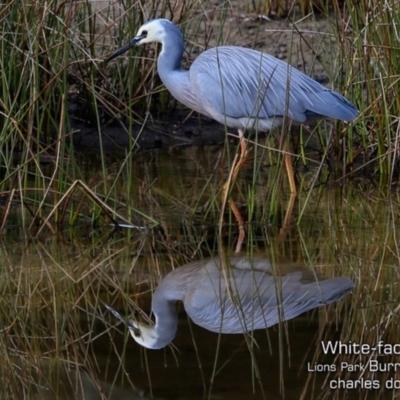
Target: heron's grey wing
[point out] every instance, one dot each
(242, 83)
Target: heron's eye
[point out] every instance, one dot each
(134, 329)
(136, 333)
(144, 33)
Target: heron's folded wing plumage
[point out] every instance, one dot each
(242, 83)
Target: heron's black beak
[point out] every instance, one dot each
(133, 43)
(128, 323)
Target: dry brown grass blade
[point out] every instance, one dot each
(78, 184)
(7, 210)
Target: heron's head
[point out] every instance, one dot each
(152, 31)
(146, 335)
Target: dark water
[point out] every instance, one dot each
(59, 341)
(191, 372)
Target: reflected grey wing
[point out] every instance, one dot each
(237, 309)
(281, 300)
(259, 300)
(240, 82)
(299, 298)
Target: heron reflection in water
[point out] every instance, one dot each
(248, 295)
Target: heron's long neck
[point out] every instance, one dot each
(166, 317)
(172, 288)
(169, 61)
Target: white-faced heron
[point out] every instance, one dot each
(239, 87)
(246, 296)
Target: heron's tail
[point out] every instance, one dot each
(334, 289)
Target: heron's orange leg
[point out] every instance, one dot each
(244, 155)
(293, 192)
(287, 220)
(288, 160)
(237, 165)
(289, 169)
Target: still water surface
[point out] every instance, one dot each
(59, 341)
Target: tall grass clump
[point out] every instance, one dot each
(375, 37)
(39, 48)
(51, 77)
(49, 71)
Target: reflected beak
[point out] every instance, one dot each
(133, 43)
(126, 321)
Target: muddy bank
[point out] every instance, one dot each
(179, 128)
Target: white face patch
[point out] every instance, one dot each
(153, 32)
